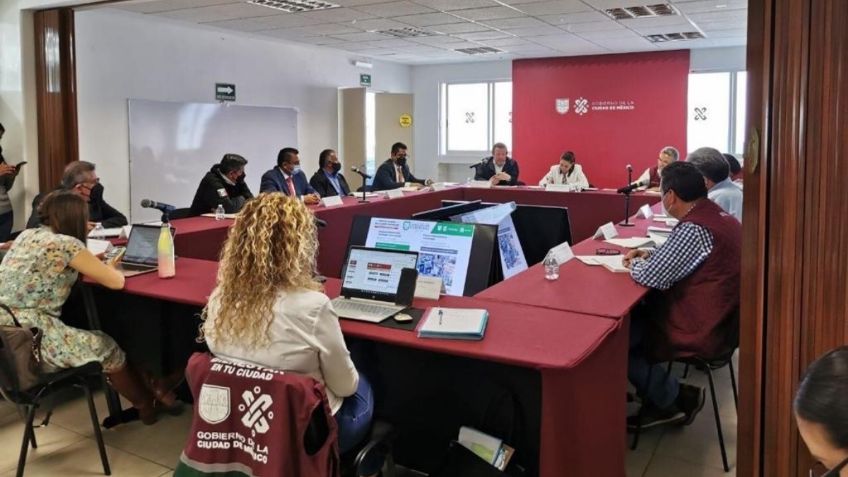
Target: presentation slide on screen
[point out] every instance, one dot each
(375, 271)
(512, 255)
(444, 248)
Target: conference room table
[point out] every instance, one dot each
(574, 364)
(203, 237)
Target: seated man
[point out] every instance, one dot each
(287, 178)
(80, 178)
(328, 180)
(721, 189)
(222, 185)
(695, 277)
(735, 169)
(498, 168)
(394, 173)
(650, 179)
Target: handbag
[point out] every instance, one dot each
(21, 355)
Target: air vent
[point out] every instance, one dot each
(407, 32)
(483, 50)
(646, 11)
(689, 35)
(295, 6)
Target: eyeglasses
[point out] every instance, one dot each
(819, 470)
(607, 251)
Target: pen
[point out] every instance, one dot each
(440, 317)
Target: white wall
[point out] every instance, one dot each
(731, 58)
(124, 55)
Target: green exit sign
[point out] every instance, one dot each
(364, 79)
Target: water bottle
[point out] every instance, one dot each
(551, 267)
(219, 212)
(98, 230)
(165, 249)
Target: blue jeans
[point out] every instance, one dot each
(354, 417)
(660, 392)
(6, 222)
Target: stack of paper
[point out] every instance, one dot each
(491, 449)
(454, 323)
(632, 242)
(612, 263)
(105, 233)
(97, 247)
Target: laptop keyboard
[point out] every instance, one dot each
(357, 308)
(136, 267)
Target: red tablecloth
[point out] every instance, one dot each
(581, 288)
(581, 360)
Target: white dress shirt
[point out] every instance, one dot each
(555, 176)
(304, 338)
(728, 196)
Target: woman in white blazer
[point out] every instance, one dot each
(566, 172)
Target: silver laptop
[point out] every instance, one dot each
(142, 250)
(370, 283)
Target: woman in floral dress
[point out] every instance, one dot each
(36, 277)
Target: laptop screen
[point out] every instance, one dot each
(374, 273)
(142, 245)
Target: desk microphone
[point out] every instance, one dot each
(630, 188)
(477, 164)
(359, 171)
(152, 204)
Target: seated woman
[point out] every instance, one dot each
(36, 277)
(822, 413)
(566, 172)
(268, 310)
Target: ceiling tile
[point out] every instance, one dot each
(569, 18)
(219, 12)
(428, 19)
(674, 22)
(723, 25)
(604, 4)
(326, 29)
(534, 31)
(393, 43)
(394, 9)
(554, 7)
(438, 40)
(720, 16)
(465, 27)
(507, 42)
(448, 5)
(356, 3)
(621, 45)
(336, 15)
(376, 24)
(521, 22)
(609, 35)
(483, 35)
(249, 24)
(166, 5)
(363, 36)
(491, 13)
(593, 26)
(705, 6)
(735, 33)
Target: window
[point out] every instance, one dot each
(716, 112)
(475, 116)
(370, 132)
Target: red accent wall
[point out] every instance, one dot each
(604, 141)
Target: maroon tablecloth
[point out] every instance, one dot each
(581, 288)
(581, 360)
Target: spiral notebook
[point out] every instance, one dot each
(454, 323)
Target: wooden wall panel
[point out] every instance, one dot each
(55, 76)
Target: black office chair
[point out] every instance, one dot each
(708, 365)
(28, 400)
(180, 213)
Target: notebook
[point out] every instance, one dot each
(612, 263)
(454, 323)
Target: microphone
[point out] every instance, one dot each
(359, 171)
(478, 164)
(630, 188)
(152, 204)
(629, 168)
(320, 222)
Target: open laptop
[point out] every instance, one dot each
(374, 284)
(141, 255)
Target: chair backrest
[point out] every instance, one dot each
(264, 420)
(180, 213)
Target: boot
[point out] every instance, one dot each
(130, 385)
(163, 388)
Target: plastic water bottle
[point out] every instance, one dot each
(98, 230)
(551, 267)
(165, 249)
(219, 212)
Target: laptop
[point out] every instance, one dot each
(376, 283)
(141, 255)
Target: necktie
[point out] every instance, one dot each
(399, 172)
(290, 183)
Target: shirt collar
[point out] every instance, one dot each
(285, 175)
(226, 179)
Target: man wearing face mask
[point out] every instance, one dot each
(80, 177)
(288, 178)
(328, 180)
(223, 184)
(394, 173)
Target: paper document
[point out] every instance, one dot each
(367, 194)
(612, 263)
(455, 323)
(632, 242)
(104, 233)
(97, 247)
(428, 288)
(226, 216)
(480, 184)
(659, 239)
(485, 446)
(660, 230)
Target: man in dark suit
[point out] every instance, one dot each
(80, 178)
(328, 180)
(498, 168)
(287, 178)
(394, 173)
(223, 184)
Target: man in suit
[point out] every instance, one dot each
(287, 178)
(222, 185)
(328, 180)
(499, 168)
(80, 178)
(394, 173)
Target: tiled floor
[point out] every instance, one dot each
(67, 448)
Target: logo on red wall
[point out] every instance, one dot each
(562, 105)
(581, 106)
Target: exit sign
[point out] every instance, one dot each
(225, 92)
(364, 79)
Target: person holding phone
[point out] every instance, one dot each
(8, 174)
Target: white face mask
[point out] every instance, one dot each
(296, 169)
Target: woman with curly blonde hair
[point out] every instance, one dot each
(268, 310)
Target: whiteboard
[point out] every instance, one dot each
(173, 145)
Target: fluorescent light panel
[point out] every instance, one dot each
(645, 11)
(295, 6)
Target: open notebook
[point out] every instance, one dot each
(454, 323)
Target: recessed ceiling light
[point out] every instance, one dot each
(407, 32)
(295, 6)
(683, 36)
(645, 11)
(483, 50)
